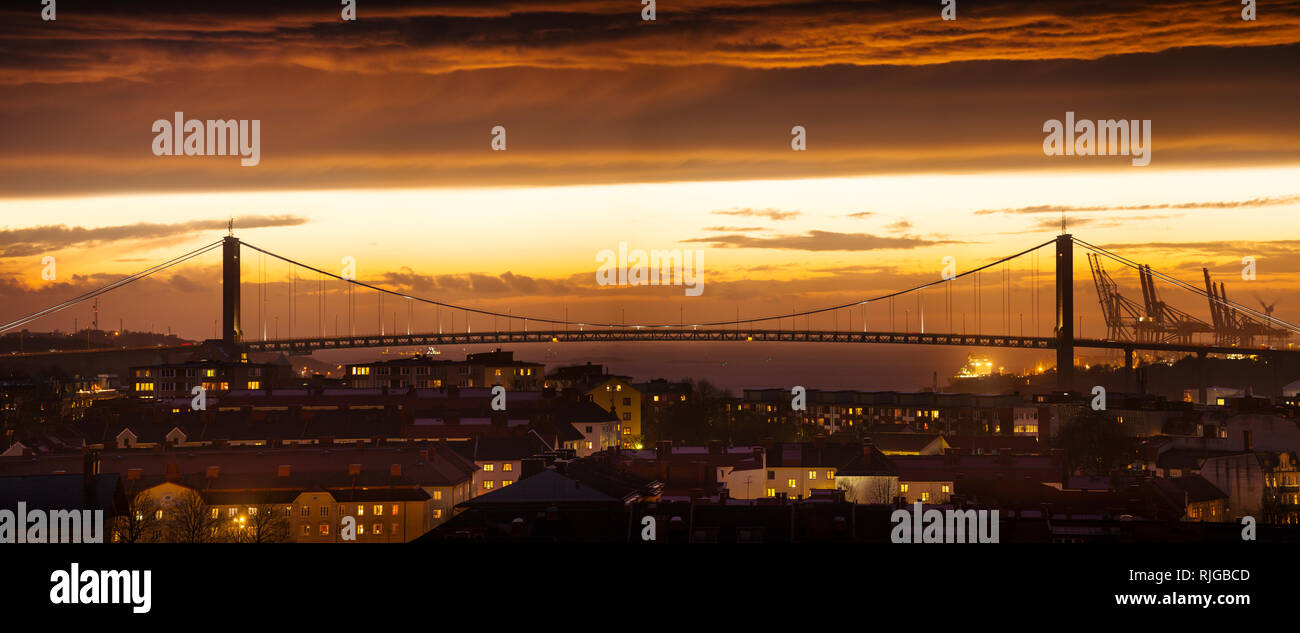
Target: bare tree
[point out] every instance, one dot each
(189, 520)
(264, 524)
(139, 522)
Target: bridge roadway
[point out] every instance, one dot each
(598, 335)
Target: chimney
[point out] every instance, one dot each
(354, 470)
(530, 466)
(211, 472)
(282, 470)
(395, 470)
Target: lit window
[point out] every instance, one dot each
(437, 513)
(902, 487)
(437, 495)
(487, 485)
(794, 483)
(306, 529)
(361, 529)
(379, 528)
(215, 513)
(252, 511)
(771, 492)
(254, 384)
(487, 467)
(361, 511)
(395, 509)
(360, 371)
(945, 489)
(812, 474)
(507, 482)
(230, 512)
(379, 510)
(158, 515)
(324, 529)
(830, 474)
(925, 496)
(589, 445)
(507, 467)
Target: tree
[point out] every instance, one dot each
(139, 522)
(1095, 444)
(190, 520)
(266, 523)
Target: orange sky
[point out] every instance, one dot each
(924, 141)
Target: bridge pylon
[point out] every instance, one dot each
(231, 332)
(1065, 312)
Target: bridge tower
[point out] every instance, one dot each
(231, 332)
(1065, 312)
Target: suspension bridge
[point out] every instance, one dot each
(1151, 324)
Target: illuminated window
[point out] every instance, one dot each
(945, 489)
(324, 529)
(361, 511)
(507, 467)
(488, 467)
(209, 373)
(144, 386)
(589, 445)
(306, 529)
(437, 513)
(437, 495)
(158, 515)
(215, 513)
(812, 474)
(925, 496)
(395, 509)
(360, 371)
(771, 492)
(830, 474)
(230, 512)
(254, 384)
(487, 485)
(361, 529)
(507, 482)
(379, 528)
(902, 487)
(794, 483)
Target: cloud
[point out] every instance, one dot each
(23, 242)
(1218, 204)
(817, 241)
(734, 229)
(861, 214)
(771, 214)
(899, 226)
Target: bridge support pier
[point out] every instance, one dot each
(1128, 370)
(1065, 312)
(231, 332)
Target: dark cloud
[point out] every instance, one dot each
(54, 237)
